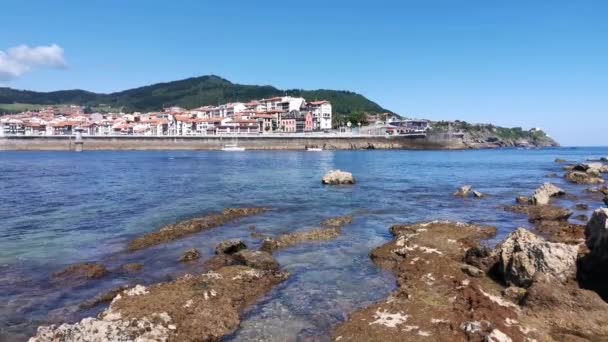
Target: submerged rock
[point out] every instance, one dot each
(582, 206)
(545, 192)
(230, 247)
(190, 255)
(192, 308)
(560, 161)
(338, 177)
(83, 271)
(332, 229)
(523, 256)
(131, 267)
(523, 200)
(179, 230)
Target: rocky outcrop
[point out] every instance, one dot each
(338, 177)
(440, 299)
(330, 229)
(192, 308)
(524, 256)
(182, 229)
(543, 194)
(190, 255)
(230, 247)
(83, 271)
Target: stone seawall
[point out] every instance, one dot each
(64, 143)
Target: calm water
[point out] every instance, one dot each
(61, 208)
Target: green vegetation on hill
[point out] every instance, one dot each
(187, 93)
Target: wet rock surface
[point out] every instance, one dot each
(581, 177)
(331, 228)
(338, 177)
(551, 222)
(131, 267)
(257, 259)
(541, 212)
(83, 271)
(437, 301)
(179, 230)
(192, 308)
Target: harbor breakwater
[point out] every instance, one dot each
(262, 142)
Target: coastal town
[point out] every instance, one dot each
(276, 115)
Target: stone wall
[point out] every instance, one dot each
(63, 143)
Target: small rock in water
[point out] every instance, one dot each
(583, 218)
(478, 194)
(190, 255)
(338, 177)
(582, 206)
(522, 200)
(463, 191)
(230, 247)
(560, 161)
(604, 159)
(131, 267)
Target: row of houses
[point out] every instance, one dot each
(274, 115)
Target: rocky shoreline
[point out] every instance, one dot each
(546, 283)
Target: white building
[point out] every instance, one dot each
(321, 112)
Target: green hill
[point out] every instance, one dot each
(187, 93)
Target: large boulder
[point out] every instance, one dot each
(596, 234)
(337, 177)
(545, 192)
(583, 177)
(523, 256)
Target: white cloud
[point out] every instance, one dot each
(21, 59)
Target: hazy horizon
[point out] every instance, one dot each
(516, 64)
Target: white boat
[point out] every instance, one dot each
(232, 148)
(314, 149)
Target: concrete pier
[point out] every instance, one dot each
(261, 142)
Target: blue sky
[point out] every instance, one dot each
(514, 63)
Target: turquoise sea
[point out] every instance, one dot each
(60, 208)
